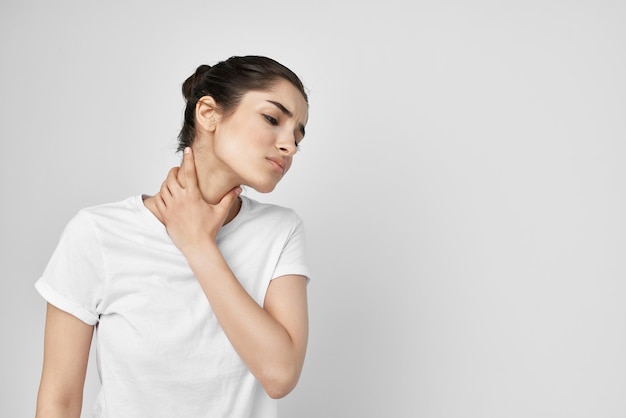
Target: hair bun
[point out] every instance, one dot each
(192, 81)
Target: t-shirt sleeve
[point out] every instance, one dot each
(292, 259)
(73, 280)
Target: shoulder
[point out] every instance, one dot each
(269, 210)
(121, 211)
(114, 209)
(270, 215)
(90, 219)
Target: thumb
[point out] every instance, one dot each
(189, 177)
(229, 198)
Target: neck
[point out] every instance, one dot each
(213, 186)
(214, 178)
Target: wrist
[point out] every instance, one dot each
(200, 249)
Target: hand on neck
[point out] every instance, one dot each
(213, 180)
(212, 183)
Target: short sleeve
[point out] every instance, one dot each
(73, 280)
(292, 259)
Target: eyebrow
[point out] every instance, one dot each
(286, 112)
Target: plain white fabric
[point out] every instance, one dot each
(160, 350)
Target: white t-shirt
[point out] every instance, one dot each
(160, 350)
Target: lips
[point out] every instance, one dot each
(279, 163)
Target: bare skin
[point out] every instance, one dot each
(66, 351)
(253, 146)
(271, 339)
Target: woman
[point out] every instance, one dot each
(198, 294)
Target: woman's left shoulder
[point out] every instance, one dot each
(255, 206)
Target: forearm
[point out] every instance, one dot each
(263, 343)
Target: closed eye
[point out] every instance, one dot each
(271, 120)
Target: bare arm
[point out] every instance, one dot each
(66, 352)
(272, 339)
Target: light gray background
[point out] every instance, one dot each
(462, 182)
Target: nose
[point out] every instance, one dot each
(287, 145)
(290, 151)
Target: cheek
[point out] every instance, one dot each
(288, 165)
(230, 144)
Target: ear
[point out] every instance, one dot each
(207, 114)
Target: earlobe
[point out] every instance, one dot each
(207, 114)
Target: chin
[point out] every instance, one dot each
(263, 187)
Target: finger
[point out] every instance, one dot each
(190, 176)
(169, 184)
(229, 198)
(160, 203)
(164, 192)
(172, 175)
(172, 181)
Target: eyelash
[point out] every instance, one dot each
(274, 122)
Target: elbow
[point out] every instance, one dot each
(55, 404)
(52, 409)
(278, 391)
(279, 384)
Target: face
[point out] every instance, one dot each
(257, 142)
